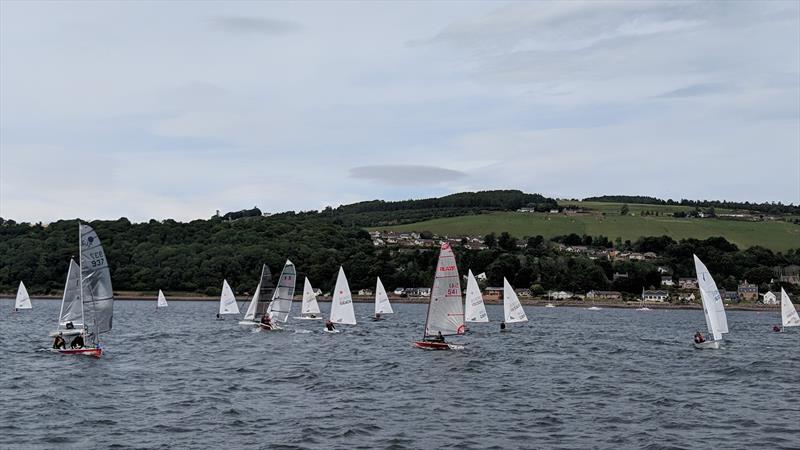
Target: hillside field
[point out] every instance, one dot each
(777, 236)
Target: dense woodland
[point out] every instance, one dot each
(764, 208)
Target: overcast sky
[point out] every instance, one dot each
(176, 109)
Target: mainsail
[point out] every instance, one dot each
(474, 309)
(511, 306)
(227, 302)
(71, 305)
(281, 304)
(23, 300)
(309, 305)
(265, 290)
(713, 307)
(789, 317)
(342, 303)
(445, 310)
(382, 305)
(162, 301)
(251, 310)
(96, 292)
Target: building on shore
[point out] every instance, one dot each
(604, 295)
(655, 296)
(748, 292)
(770, 298)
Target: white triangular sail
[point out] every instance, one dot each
(342, 303)
(281, 304)
(789, 316)
(97, 294)
(227, 302)
(250, 314)
(23, 299)
(512, 308)
(310, 305)
(382, 305)
(713, 308)
(162, 301)
(474, 308)
(446, 308)
(71, 305)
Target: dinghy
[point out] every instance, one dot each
(281, 305)
(162, 301)
(89, 302)
(549, 305)
(227, 302)
(342, 303)
(382, 305)
(512, 308)
(789, 316)
(474, 308)
(23, 300)
(258, 305)
(594, 308)
(445, 309)
(643, 308)
(713, 308)
(309, 310)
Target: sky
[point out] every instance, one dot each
(178, 109)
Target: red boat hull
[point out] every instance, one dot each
(426, 345)
(96, 352)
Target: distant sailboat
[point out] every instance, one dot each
(713, 308)
(281, 305)
(162, 301)
(549, 305)
(382, 305)
(227, 302)
(789, 316)
(594, 308)
(474, 308)
(512, 308)
(309, 310)
(261, 297)
(342, 304)
(23, 300)
(446, 308)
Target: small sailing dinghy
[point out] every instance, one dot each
(260, 300)
(512, 308)
(162, 301)
(549, 305)
(342, 304)
(789, 316)
(474, 308)
(87, 308)
(713, 308)
(309, 310)
(594, 308)
(23, 300)
(382, 305)
(281, 305)
(227, 302)
(446, 308)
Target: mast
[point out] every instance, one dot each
(64, 297)
(80, 274)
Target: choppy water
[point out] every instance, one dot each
(569, 378)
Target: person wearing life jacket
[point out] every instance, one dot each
(59, 343)
(699, 338)
(438, 338)
(77, 342)
(266, 321)
(502, 326)
(776, 328)
(376, 317)
(329, 325)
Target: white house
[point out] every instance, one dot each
(667, 281)
(560, 295)
(365, 292)
(770, 299)
(655, 296)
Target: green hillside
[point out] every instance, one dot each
(777, 236)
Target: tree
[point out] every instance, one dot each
(490, 240)
(507, 242)
(624, 210)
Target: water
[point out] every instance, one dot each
(569, 378)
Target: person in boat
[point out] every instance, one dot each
(377, 316)
(438, 338)
(266, 322)
(699, 338)
(70, 325)
(329, 325)
(59, 343)
(502, 326)
(77, 342)
(776, 328)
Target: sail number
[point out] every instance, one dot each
(98, 258)
(447, 268)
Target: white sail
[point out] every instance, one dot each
(281, 304)
(474, 309)
(445, 310)
(251, 310)
(512, 309)
(162, 301)
(713, 307)
(227, 302)
(789, 317)
(382, 305)
(71, 305)
(97, 295)
(309, 305)
(23, 299)
(342, 303)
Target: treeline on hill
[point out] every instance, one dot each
(197, 256)
(768, 208)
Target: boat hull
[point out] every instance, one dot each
(427, 345)
(72, 332)
(707, 345)
(331, 331)
(95, 352)
(308, 318)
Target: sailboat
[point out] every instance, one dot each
(713, 308)
(227, 302)
(309, 310)
(258, 304)
(342, 303)
(23, 300)
(512, 308)
(644, 306)
(162, 301)
(445, 309)
(281, 305)
(474, 309)
(382, 305)
(87, 307)
(789, 316)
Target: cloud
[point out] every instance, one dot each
(254, 25)
(696, 90)
(406, 174)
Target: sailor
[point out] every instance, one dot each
(699, 338)
(59, 343)
(70, 325)
(377, 316)
(502, 326)
(776, 328)
(77, 342)
(266, 322)
(218, 317)
(329, 325)
(438, 337)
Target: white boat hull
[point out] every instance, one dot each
(308, 318)
(73, 332)
(331, 331)
(707, 345)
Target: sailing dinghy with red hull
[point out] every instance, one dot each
(445, 310)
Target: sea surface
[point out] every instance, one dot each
(569, 378)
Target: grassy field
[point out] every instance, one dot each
(777, 236)
(634, 208)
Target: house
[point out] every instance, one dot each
(729, 296)
(400, 291)
(493, 293)
(686, 297)
(667, 281)
(523, 292)
(424, 292)
(687, 283)
(365, 292)
(748, 292)
(770, 299)
(559, 295)
(604, 295)
(655, 296)
(618, 276)
(664, 270)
